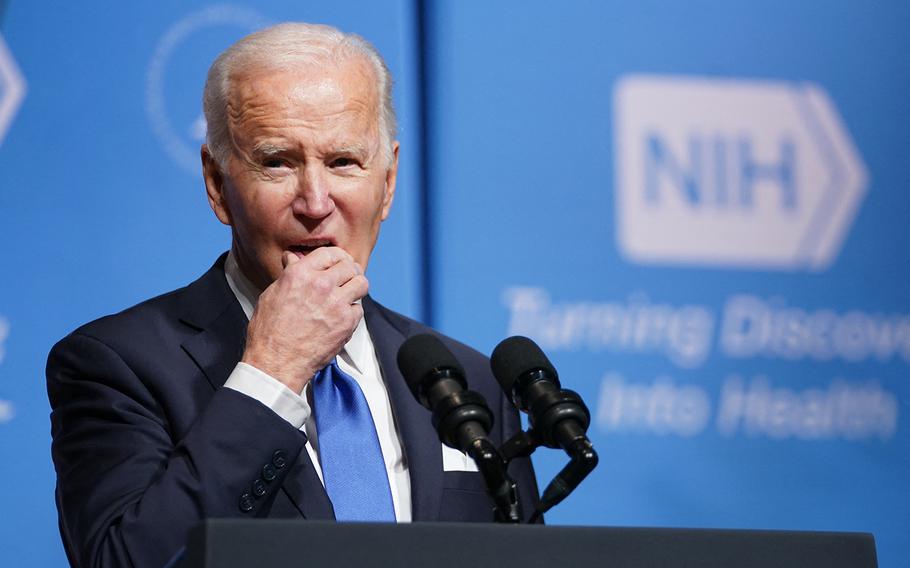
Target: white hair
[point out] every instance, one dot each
(286, 46)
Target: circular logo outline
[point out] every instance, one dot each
(156, 108)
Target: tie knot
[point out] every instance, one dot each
(327, 373)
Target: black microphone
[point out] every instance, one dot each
(461, 416)
(558, 417)
(437, 381)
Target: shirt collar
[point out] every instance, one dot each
(355, 352)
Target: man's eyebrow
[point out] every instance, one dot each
(352, 150)
(267, 149)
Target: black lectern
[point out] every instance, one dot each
(241, 543)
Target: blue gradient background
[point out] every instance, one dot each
(507, 180)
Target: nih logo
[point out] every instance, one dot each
(732, 173)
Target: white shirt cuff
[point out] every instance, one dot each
(256, 384)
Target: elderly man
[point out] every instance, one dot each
(267, 388)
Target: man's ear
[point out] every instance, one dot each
(214, 186)
(391, 176)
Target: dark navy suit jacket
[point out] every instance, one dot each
(147, 441)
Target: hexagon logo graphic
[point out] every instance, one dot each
(12, 88)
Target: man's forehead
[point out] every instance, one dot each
(295, 83)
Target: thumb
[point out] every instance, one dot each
(288, 258)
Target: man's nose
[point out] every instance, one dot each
(314, 195)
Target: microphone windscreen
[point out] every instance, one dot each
(515, 356)
(420, 355)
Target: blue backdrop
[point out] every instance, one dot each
(697, 209)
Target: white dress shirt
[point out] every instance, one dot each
(358, 359)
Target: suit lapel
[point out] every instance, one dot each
(218, 347)
(211, 307)
(421, 444)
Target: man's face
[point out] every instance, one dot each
(307, 167)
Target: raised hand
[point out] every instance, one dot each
(305, 317)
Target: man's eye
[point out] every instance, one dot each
(342, 162)
(273, 163)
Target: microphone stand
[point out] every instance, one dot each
(467, 411)
(500, 485)
(583, 460)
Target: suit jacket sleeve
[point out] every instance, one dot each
(130, 483)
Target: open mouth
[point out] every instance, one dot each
(306, 248)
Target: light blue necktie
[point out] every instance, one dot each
(352, 464)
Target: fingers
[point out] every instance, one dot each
(325, 257)
(288, 258)
(355, 288)
(358, 315)
(345, 279)
(343, 271)
(329, 268)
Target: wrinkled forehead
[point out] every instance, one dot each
(323, 83)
